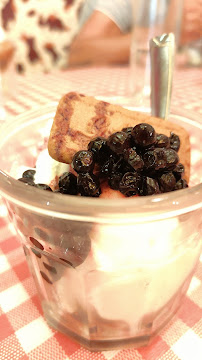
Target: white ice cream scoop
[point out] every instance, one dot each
(47, 169)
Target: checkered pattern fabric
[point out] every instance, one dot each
(24, 334)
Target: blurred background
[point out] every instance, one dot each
(41, 32)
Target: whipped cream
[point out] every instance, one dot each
(47, 169)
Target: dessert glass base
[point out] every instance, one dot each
(110, 273)
(108, 335)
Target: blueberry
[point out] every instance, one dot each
(162, 141)
(144, 135)
(29, 174)
(43, 187)
(167, 182)
(178, 171)
(107, 167)
(154, 159)
(118, 142)
(127, 130)
(130, 184)
(133, 159)
(150, 186)
(88, 185)
(83, 161)
(68, 184)
(174, 141)
(27, 181)
(119, 165)
(160, 158)
(172, 158)
(99, 148)
(114, 180)
(181, 184)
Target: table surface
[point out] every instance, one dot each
(24, 333)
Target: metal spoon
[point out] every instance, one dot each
(162, 52)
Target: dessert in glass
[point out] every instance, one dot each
(113, 268)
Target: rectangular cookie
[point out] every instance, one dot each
(80, 118)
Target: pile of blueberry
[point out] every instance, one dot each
(135, 161)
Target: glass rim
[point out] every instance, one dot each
(132, 209)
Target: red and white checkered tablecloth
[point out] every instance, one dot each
(24, 334)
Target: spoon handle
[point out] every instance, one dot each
(162, 52)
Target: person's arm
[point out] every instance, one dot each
(100, 41)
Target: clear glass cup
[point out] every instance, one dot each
(109, 273)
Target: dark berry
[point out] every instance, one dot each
(174, 141)
(133, 159)
(27, 181)
(83, 161)
(144, 135)
(167, 182)
(172, 158)
(118, 165)
(126, 167)
(130, 184)
(118, 142)
(150, 186)
(127, 130)
(160, 159)
(99, 148)
(162, 141)
(112, 165)
(43, 187)
(178, 171)
(114, 180)
(107, 167)
(154, 159)
(88, 185)
(181, 184)
(29, 174)
(68, 184)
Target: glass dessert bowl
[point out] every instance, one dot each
(110, 273)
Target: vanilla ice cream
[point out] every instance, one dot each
(47, 169)
(124, 281)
